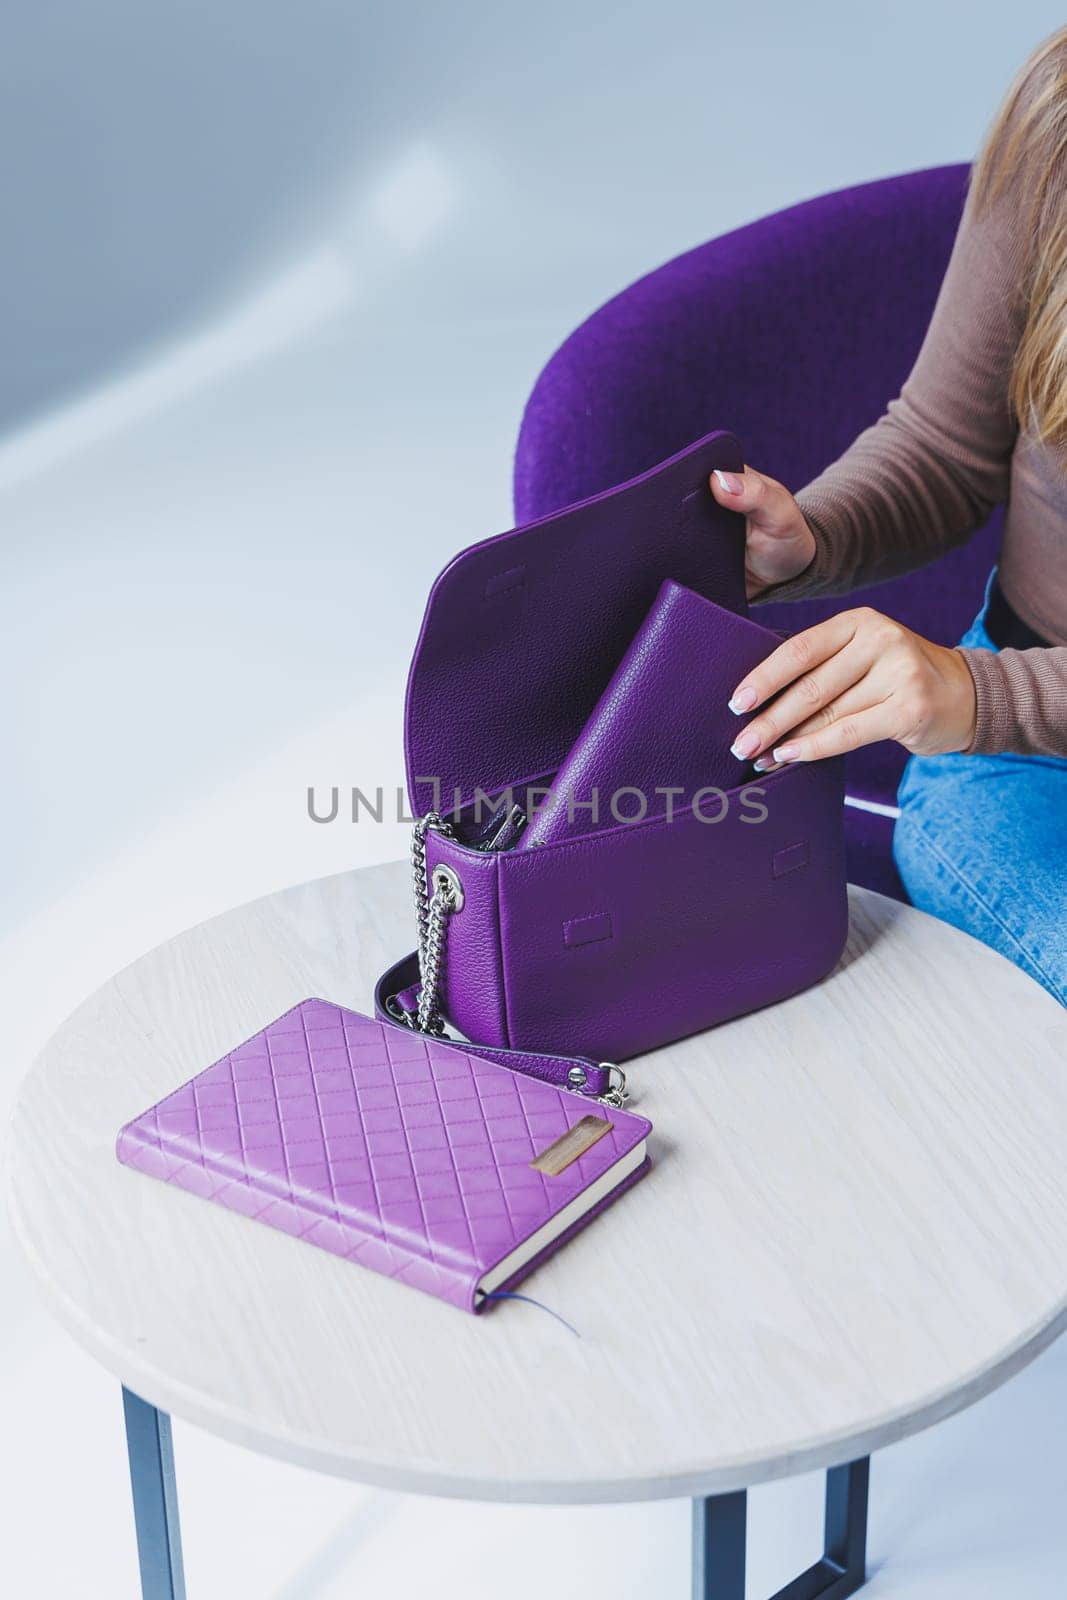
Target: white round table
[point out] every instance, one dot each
(855, 1225)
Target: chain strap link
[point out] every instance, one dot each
(617, 1093)
(431, 915)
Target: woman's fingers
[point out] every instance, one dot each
(861, 696)
(778, 542)
(798, 704)
(766, 503)
(850, 681)
(846, 732)
(798, 656)
(746, 491)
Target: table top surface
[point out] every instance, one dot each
(855, 1224)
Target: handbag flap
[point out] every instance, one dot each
(523, 631)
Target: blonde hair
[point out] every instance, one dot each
(1026, 148)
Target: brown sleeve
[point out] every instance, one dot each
(931, 469)
(1022, 701)
(934, 466)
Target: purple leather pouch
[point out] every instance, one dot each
(659, 737)
(617, 940)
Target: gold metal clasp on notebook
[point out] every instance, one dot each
(565, 1150)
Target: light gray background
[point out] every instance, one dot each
(275, 283)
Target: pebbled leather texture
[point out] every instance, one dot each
(405, 1154)
(708, 921)
(522, 631)
(662, 721)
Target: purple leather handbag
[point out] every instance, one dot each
(612, 941)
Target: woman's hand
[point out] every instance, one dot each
(849, 681)
(778, 542)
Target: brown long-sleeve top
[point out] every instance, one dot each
(930, 471)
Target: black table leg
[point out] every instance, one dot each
(155, 1499)
(719, 1542)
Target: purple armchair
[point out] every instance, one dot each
(794, 332)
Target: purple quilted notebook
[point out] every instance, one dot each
(402, 1153)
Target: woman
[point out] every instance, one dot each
(982, 835)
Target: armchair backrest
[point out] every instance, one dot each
(794, 332)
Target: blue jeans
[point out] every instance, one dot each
(982, 843)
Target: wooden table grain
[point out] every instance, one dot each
(856, 1224)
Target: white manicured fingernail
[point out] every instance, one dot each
(742, 701)
(786, 752)
(728, 482)
(745, 746)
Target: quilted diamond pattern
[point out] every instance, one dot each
(404, 1154)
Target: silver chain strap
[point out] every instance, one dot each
(432, 912)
